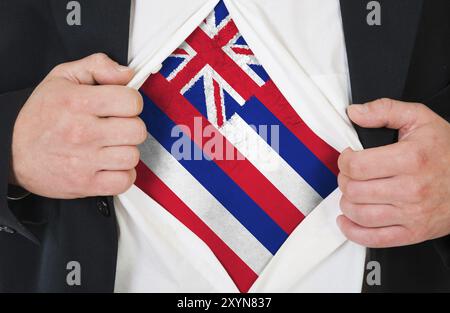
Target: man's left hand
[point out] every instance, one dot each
(397, 194)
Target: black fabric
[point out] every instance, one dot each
(10, 105)
(50, 233)
(406, 58)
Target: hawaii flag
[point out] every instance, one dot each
(244, 168)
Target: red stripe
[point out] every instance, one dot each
(240, 170)
(211, 53)
(240, 273)
(185, 75)
(226, 34)
(218, 102)
(272, 98)
(180, 51)
(243, 51)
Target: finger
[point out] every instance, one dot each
(119, 158)
(112, 183)
(117, 131)
(388, 113)
(370, 215)
(111, 101)
(382, 237)
(380, 162)
(376, 191)
(94, 69)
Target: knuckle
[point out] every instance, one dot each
(124, 182)
(385, 103)
(58, 69)
(350, 164)
(99, 58)
(350, 210)
(132, 157)
(343, 160)
(355, 167)
(344, 204)
(346, 207)
(141, 131)
(342, 182)
(420, 108)
(351, 190)
(117, 183)
(135, 157)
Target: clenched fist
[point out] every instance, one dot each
(398, 194)
(77, 134)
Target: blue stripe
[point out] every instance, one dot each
(211, 176)
(291, 149)
(170, 65)
(221, 12)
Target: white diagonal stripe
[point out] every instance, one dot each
(270, 164)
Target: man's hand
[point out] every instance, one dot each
(398, 194)
(76, 136)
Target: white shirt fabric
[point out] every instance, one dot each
(301, 45)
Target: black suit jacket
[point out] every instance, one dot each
(406, 58)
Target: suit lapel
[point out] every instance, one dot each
(379, 56)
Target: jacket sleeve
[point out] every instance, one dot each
(10, 106)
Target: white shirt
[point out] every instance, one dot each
(306, 38)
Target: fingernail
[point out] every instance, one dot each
(122, 68)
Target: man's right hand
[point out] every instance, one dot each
(77, 135)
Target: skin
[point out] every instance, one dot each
(397, 194)
(77, 134)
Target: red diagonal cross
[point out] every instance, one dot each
(209, 51)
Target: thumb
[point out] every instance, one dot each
(95, 69)
(388, 113)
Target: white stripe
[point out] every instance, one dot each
(191, 53)
(270, 164)
(243, 60)
(209, 26)
(204, 205)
